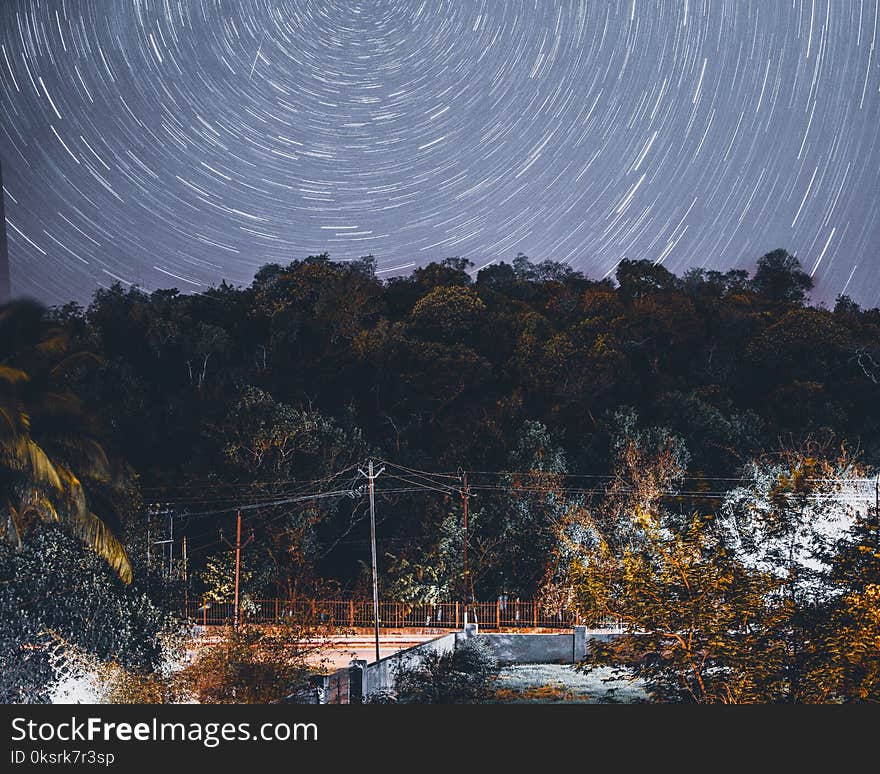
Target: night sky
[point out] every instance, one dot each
(180, 142)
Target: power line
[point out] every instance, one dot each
(599, 476)
(423, 482)
(214, 484)
(444, 490)
(187, 492)
(455, 476)
(287, 501)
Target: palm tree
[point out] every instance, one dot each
(50, 462)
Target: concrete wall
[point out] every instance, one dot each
(543, 648)
(531, 648)
(379, 676)
(508, 648)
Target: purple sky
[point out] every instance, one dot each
(169, 143)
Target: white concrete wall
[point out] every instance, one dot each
(508, 649)
(379, 676)
(531, 648)
(543, 648)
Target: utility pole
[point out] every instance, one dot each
(371, 477)
(466, 596)
(185, 579)
(185, 584)
(167, 574)
(171, 545)
(238, 546)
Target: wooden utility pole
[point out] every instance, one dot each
(238, 546)
(237, 563)
(171, 546)
(371, 477)
(185, 584)
(466, 596)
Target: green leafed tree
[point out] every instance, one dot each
(60, 601)
(737, 605)
(52, 467)
(779, 277)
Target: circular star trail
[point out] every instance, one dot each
(181, 142)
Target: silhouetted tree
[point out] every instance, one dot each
(778, 276)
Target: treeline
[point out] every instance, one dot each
(258, 396)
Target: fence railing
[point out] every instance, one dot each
(338, 687)
(501, 614)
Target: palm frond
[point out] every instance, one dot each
(57, 404)
(86, 456)
(74, 494)
(13, 528)
(41, 489)
(14, 418)
(41, 468)
(12, 375)
(90, 528)
(95, 534)
(37, 506)
(75, 360)
(54, 344)
(20, 454)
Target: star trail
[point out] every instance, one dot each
(175, 143)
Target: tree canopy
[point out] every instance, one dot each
(245, 395)
(146, 417)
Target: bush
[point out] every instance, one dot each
(463, 676)
(123, 686)
(63, 609)
(257, 664)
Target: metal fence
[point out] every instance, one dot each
(353, 614)
(338, 688)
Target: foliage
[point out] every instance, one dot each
(263, 394)
(58, 600)
(780, 278)
(52, 468)
(790, 514)
(272, 440)
(449, 312)
(852, 635)
(253, 664)
(764, 600)
(123, 686)
(609, 417)
(439, 577)
(462, 676)
(218, 577)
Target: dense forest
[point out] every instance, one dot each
(682, 455)
(262, 397)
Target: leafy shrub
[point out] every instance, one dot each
(252, 665)
(463, 676)
(61, 605)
